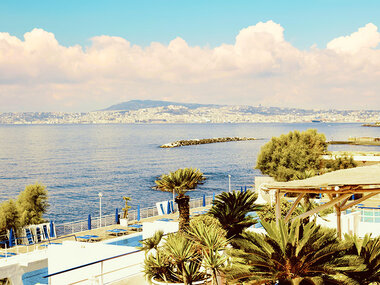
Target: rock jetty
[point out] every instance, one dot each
(377, 124)
(204, 141)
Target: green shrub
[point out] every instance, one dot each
(9, 216)
(32, 204)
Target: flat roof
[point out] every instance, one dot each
(358, 179)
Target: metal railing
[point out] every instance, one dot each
(107, 220)
(20, 248)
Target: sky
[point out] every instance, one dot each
(80, 56)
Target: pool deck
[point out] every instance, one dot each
(100, 232)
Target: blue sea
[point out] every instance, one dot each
(76, 162)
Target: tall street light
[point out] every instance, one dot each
(100, 208)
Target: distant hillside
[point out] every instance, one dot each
(141, 104)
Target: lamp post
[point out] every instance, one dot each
(229, 183)
(100, 208)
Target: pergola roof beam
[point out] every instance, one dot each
(293, 207)
(325, 191)
(322, 207)
(358, 201)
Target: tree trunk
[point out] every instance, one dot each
(184, 212)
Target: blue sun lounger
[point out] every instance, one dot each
(117, 231)
(38, 235)
(88, 237)
(29, 236)
(45, 232)
(8, 254)
(165, 220)
(137, 227)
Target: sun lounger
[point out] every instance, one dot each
(165, 220)
(94, 237)
(135, 227)
(200, 212)
(45, 232)
(29, 236)
(84, 238)
(38, 234)
(89, 238)
(117, 231)
(45, 245)
(7, 254)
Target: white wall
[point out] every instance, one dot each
(351, 224)
(149, 228)
(71, 254)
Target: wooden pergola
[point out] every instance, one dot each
(339, 186)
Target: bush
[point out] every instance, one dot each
(298, 155)
(290, 156)
(340, 162)
(28, 209)
(231, 209)
(9, 216)
(32, 204)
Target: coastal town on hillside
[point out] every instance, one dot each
(184, 114)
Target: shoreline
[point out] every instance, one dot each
(367, 143)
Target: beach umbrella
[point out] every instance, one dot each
(138, 213)
(213, 196)
(169, 210)
(245, 188)
(241, 189)
(52, 234)
(204, 200)
(11, 238)
(89, 222)
(171, 203)
(116, 216)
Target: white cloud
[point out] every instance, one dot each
(261, 67)
(366, 37)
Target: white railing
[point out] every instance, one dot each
(82, 225)
(105, 271)
(107, 220)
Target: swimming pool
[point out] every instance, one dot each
(128, 241)
(35, 277)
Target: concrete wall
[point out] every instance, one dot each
(351, 224)
(14, 267)
(150, 228)
(71, 254)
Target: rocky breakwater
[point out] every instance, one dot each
(205, 141)
(377, 124)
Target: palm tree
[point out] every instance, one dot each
(186, 257)
(231, 209)
(209, 239)
(152, 242)
(369, 250)
(181, 181)
(292, 254)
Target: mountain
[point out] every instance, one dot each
(141, 104)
